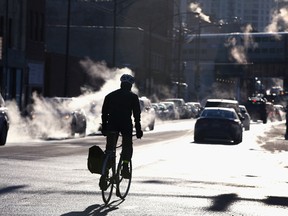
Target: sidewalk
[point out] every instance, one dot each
(274, 139)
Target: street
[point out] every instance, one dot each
(172, 175)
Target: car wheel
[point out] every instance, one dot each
(238, 140)
(247, 127)
(197, 139)
(3, 135)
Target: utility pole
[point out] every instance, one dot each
(5, 92)
(114, 34)
(66, 81)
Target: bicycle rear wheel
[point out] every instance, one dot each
(107, 180)
(123, 184)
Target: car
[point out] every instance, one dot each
(218, 123)
(230, 103)
(258, 109)
(56, 114)
(196, 109)
(4, 122)
(161, 110)
(172, 113)
(180, 106)
(247, 118)
(148, 114)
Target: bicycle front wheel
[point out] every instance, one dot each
(123, 184)
(107, 180)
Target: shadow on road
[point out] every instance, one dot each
(11, 189)
(96, 210)
(222, 202)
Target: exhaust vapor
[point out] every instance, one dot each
(44, 121)
(194, 7)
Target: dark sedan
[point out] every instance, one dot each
(217, 123)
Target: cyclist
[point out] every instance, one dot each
(117, 110)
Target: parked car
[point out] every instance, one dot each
(247, 118)
(4, 122)
(57, 114)
(148, 114)
(161, 110)
(188, 111)
(180, 106)
(173, 113)
(196, 109)
(218, 123)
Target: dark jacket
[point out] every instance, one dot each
(117, 110)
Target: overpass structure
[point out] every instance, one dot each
(234, 60)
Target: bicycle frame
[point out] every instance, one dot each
(111, 176)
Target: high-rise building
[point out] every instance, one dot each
(258, 13)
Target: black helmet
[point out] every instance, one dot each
(127, 78)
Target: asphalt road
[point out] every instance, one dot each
(172, 175)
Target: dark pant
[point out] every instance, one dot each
(127, 147)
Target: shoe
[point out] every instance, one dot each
(125, 171)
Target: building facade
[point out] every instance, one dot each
(258, 13)
(22, 49)
(135, 35)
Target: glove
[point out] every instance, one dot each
(104, 129)
(139, 132)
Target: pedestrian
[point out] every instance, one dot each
(117, 111)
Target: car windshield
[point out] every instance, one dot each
(222, 104)
(218, 114)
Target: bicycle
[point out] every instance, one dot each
(112, 177)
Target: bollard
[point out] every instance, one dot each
(286, 134)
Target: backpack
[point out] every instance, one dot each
(95, 159)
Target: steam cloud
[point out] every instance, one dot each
(238, 50)
(279, 21)
(48, 124)
(194, 7)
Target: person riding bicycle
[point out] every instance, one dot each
(117, 110)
